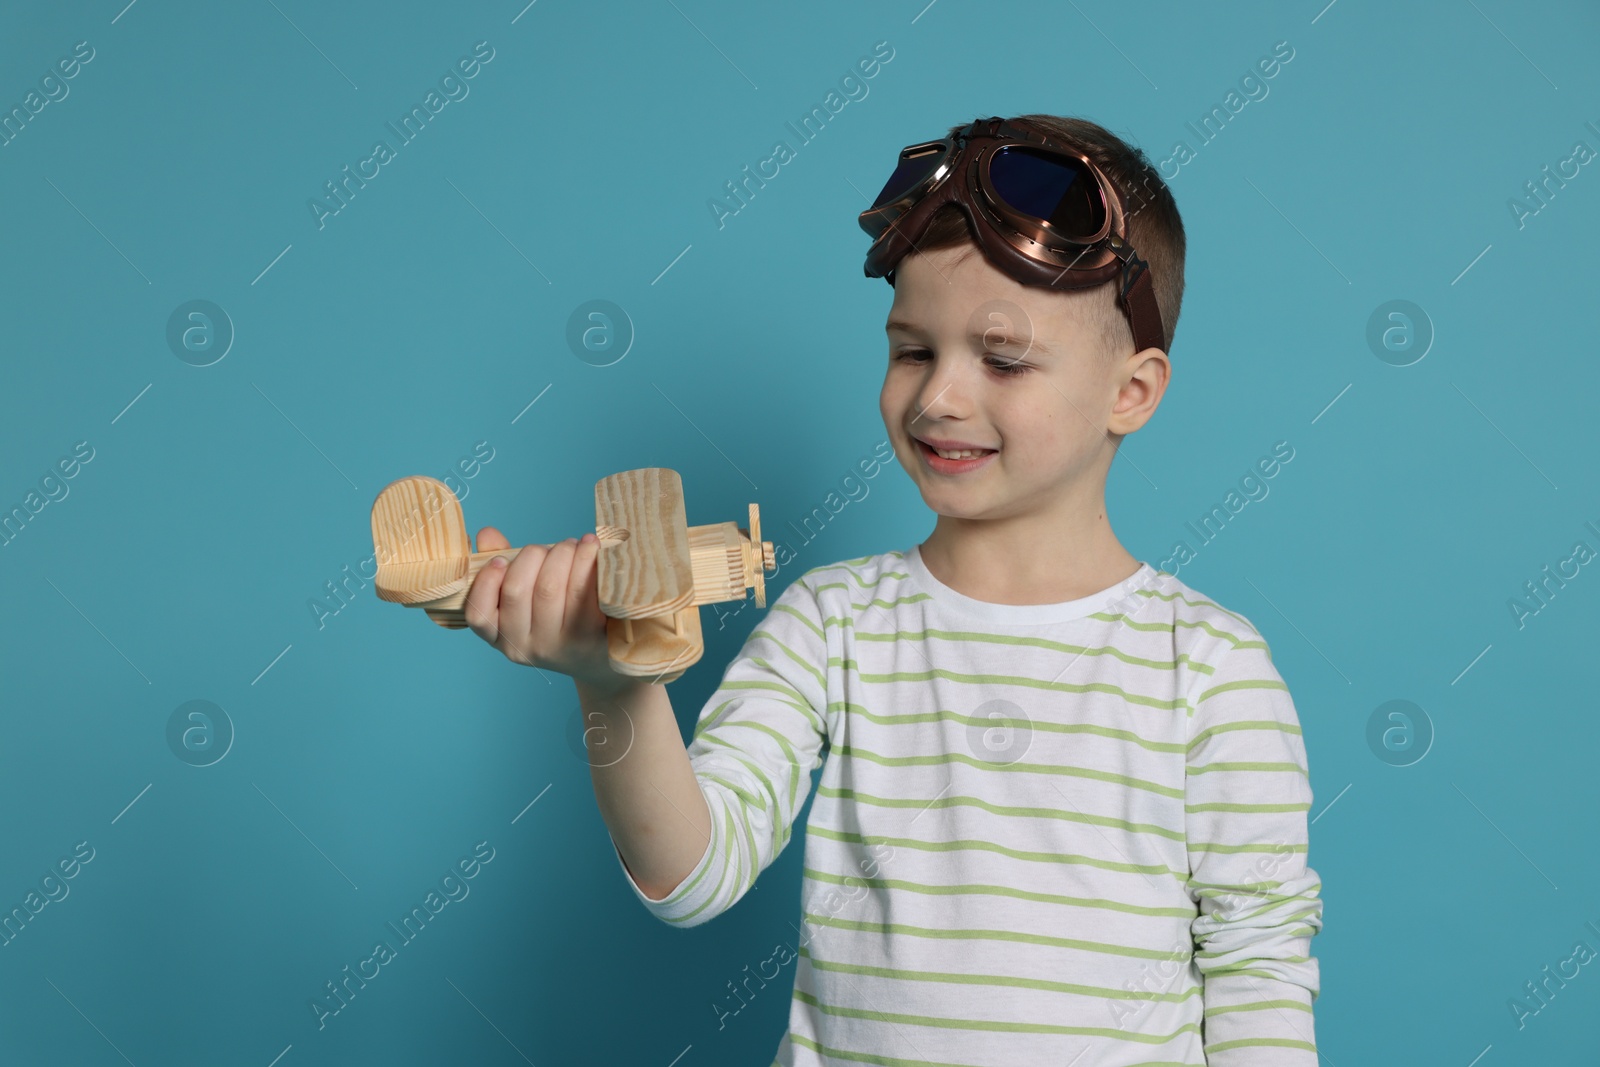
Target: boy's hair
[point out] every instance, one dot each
(1155, 228)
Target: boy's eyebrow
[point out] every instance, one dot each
(1005, 337)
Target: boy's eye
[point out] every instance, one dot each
(1006, 368)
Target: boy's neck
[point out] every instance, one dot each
(1032, 559)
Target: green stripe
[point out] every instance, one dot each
(1315, 908)
(1254, 889)
(1258, 1005)
(1244, 683)
(1244, 724)
(946, 758)
(754, 853)
(1167, 627)
(915, 598)
(1207, 768)
(792, 698)
(750, 799)
(1310, 909)
(1247, 1042)
(1000, 809)
(973, 889)
(722, 874)
(861, 583)
(1098, 992)
(788, 751)
(895, 1061)
(789, 609)
(1019, 680)
(994, 1025)
(740, 824)
(987, 846)
(1211, 846)
(850, 708)
(787, 694)
(864, 1057)
(822, 681)
(1034, 642)
(1194, 603)
(979, 934)
(736, 753)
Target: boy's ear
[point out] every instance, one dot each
(1143, 384)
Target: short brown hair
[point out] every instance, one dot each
(1155, 228)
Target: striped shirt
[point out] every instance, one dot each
(1068, 833)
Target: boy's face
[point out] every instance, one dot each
(981, 360)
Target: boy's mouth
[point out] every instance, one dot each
(953, 449)
(953, 460)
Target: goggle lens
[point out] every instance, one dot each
(1048, 187)
(915, 165)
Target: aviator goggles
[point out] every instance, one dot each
(1043, 213)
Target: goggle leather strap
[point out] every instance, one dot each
(1138, 296)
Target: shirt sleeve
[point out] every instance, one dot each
(758, 739)
(1247, 794)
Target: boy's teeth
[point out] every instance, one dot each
(965, 453)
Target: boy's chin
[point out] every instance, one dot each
(957, 503)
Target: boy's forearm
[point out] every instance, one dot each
(644, 783)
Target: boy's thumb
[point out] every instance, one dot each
(491, 540)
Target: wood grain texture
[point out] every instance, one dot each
(662, 648)
(645, 569)
(421, 541)
(718, 560)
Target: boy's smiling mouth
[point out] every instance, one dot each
(952, 457)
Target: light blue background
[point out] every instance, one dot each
(431, 310)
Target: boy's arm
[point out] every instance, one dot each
(1248, 792)
(694, 827)
(643, 782)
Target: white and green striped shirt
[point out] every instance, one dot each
(1065, 834)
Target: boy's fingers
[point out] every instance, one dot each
(482, 606)
(550, 594)
(490, 540)
(516, 594)
(583, 596)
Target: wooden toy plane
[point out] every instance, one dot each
(655, 570)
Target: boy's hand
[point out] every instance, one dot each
(543, 608)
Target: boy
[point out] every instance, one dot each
(1064, 817)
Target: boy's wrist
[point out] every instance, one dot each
(609, 689)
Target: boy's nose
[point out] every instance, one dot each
(939, 397)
